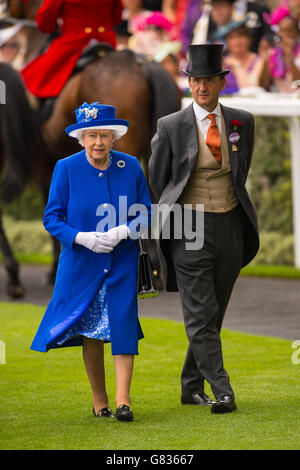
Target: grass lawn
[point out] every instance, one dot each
(46, 399)
(257, 270)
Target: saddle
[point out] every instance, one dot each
(90, 54)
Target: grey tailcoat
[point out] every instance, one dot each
(174, 156)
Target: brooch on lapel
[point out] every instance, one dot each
(234, 136)
(121, 163)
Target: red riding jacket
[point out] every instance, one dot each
(83, 20)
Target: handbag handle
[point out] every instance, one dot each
(140, 245)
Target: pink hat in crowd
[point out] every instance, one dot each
(142, 21)
(278, 14)
(159, 20)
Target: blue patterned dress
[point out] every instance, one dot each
(94, 323)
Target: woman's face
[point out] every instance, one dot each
(9, 50)
(97, 143)
(288, 28)
(238, 43)
(132, 4)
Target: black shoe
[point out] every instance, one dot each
(196, 399)
(104, 413)
(124, 413)
(224, 405)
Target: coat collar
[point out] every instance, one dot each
(229, 114)
(189, 125)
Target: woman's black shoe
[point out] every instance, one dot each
(104, 413)
(124, 413)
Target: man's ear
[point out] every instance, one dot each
(222, 82)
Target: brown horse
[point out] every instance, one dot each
(141, 91)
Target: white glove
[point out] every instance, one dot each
(94, 241)
(116, 234)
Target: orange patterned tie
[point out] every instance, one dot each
(213, 139)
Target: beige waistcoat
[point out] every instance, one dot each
(211, 183)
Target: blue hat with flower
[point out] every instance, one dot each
(97, 116)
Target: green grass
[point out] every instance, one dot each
(46, 399)
(266, 270)
(257, 270)
(31, 258)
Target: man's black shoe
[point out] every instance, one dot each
(224, 405)
(200, 399)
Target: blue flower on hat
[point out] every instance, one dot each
(87, 112)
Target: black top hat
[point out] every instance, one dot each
(205, 60)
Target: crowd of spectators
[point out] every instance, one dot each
(261, 38)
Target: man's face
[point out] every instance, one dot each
(205, 91)
(221, 12)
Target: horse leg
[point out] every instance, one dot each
(14, 288)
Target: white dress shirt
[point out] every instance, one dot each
(203, 121)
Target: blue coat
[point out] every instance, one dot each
(77, 200)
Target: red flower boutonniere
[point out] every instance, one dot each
(235, 123)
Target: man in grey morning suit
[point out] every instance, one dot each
(202, 155)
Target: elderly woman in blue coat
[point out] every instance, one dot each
(98, 203)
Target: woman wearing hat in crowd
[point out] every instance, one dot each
(245, 66)
(205, 17)
(95, 294)
(282, 61)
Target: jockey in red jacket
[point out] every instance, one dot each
(82, 20)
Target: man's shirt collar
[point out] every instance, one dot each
(202, 113)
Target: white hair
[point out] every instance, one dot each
(80, 134)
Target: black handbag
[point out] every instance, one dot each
(146, 275)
